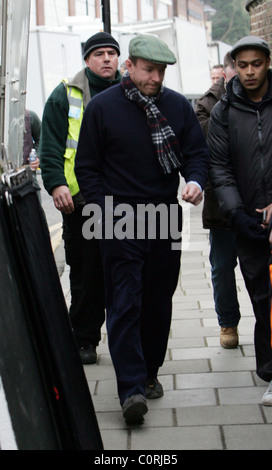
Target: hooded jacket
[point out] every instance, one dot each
(240, 141)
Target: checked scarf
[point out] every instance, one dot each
(163, 137)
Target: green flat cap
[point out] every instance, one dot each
(151, 48)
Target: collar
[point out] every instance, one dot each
(235, 89)
(98, 84)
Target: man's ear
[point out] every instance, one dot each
(128, 65)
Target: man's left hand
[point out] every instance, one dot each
(192, 193)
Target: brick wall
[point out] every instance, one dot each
(191, 10)
(260, 12)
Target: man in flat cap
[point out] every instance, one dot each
(60, 132)
(136, 138)
(240, 140)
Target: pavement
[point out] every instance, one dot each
(212, 396)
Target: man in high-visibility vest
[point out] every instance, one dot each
(61, 123)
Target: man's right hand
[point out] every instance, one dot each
(248, 226)
(63, 200)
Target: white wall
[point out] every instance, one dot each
(217, 52)
(193, 57)
(52, 57)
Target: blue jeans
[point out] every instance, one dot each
(223, 259)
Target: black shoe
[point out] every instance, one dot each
(88, 354)
(153, 389)
(134, 409)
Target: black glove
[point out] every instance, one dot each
(248, 226)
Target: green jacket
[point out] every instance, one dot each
(55, 124)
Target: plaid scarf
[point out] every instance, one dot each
(163, 137)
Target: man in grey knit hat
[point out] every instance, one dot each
(240, 140)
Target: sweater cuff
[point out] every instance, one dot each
(197, 184)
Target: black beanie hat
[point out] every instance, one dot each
(100, 40)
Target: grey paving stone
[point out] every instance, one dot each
(240, 396)
(114, 440)
(182, 398)
(183, 367)
(190, 292)
(186, 305)
(214, 380)
(244, 340)
(111, 420)
(107, 403)
(219, 415)
(228, 364)
(188, 324)
(185, 342)
(109, 387)
(209, 353)
(99, 372)
(154, 418)
(249, 350)
(180, 313)
(177, 438)
(187, 283)
(253, 437)
(267, 411)
(178, 330)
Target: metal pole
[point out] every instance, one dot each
(106, 16)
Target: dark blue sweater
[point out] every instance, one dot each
(116, 156)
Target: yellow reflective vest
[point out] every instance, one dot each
(76, 110)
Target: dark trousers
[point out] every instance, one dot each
(223, 259)
(254, 261)
(87, 311)
(140, 279)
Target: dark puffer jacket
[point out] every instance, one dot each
(212, 216)
(240, 141)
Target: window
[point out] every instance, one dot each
(162, 10)
(147, 10)
(85, 7)
(130, 11)
(114, 11)
(55, 12)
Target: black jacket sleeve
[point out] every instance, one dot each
(221, 172)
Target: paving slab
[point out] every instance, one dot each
(251, 437)
(177, 438)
